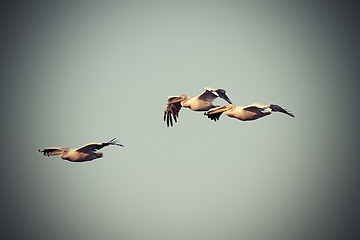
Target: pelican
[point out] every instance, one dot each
(81, 154)
(203, 102)
(247, 113)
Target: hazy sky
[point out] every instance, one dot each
(75, 73)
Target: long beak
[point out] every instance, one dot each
(53, 153)
(175, 100)
(218, 109)
(57, 152)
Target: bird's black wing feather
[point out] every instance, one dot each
(222, 94)
(214, 116)
(171, 112)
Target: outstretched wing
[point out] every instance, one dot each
(254, 109)
(92, 147)
(50, 151)
(171, 112)
(211, 93)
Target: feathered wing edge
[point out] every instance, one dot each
(222, 94)
(171, 112)
(90, 147)
(277, 108)
(211, 93)
(113, 141)
(213, 116)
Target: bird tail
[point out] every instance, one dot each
(277, 108)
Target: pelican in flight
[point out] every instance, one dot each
(247, 113)
(203, 102)
(81, 154)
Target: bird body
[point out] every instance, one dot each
(81, 154)
(73, 155)
(197, 104)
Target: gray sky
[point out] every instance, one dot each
(79, 73)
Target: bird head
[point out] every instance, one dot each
(224, 108)
(52, 151)
(180, 98)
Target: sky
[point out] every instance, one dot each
(75, 73)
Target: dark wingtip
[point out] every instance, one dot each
(169, 118)
(222, 94)
(114, 141)
(214, 116)
(277, 108)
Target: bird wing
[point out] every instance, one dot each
(277, 108)
(208, 95)
(211, 93)
(49, 150)
(92, 147)
(261, 110)
(171, 111)
(213, 116)
(254, 109)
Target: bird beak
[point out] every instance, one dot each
(175, 100)
(57, 152)
(218, 110)
(53, 153)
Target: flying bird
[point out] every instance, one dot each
(81, 154)
(203, 102)
(247, 113)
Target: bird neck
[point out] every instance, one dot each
(64, 153)
(186, 102)
(230, 112)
